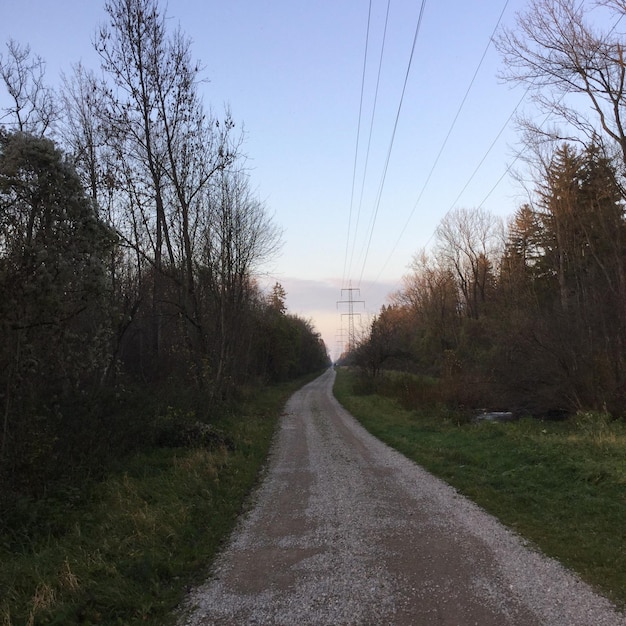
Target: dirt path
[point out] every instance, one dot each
(344, 530)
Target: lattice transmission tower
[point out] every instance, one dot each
(351, 291)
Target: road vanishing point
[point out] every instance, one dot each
(344, 530)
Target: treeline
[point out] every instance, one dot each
(130, 240)
(531, 315)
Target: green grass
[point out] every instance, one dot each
(124, 550)
(561, 485)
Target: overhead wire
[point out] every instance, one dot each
(510, 165)
(476, 169)
(482, 160)
(508, 168)
(393, 134)
(358, 133)
(447, 137)
(369, 141)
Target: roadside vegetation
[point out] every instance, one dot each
(143, 362)
(529, 314)
(559, 484)
(123, 549)
(525, 316)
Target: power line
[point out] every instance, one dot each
(547, 117)
(445, 141)
(358, 133)
(509, 167)
(489, 149)
(369, 140)
(393, 134)
(482, 160)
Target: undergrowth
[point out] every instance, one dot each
(122, 549)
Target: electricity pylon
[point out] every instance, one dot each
(350, 314)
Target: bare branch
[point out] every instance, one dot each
(33, 108)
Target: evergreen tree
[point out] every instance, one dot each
(53, 279)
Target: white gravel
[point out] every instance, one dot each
(345, 530)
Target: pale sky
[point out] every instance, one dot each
(291, 72)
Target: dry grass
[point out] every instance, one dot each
(124, 552)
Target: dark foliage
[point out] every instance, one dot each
(537, 326)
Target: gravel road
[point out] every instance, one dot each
(344, 530)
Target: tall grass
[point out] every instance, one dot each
(123, 549)
(562, 485)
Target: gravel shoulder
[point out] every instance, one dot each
(345, 530)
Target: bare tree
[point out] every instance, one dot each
(238, 238)
(82, 130)
(33, 108)
(167, 151)
(571, 67)
(470, 243)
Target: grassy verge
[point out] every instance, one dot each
(123, 551)
(562, 485)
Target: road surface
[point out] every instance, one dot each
(344, 530)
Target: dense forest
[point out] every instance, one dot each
(530, 315)
(131, 246)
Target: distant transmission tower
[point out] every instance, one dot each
(350, 314)
(340, 340)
